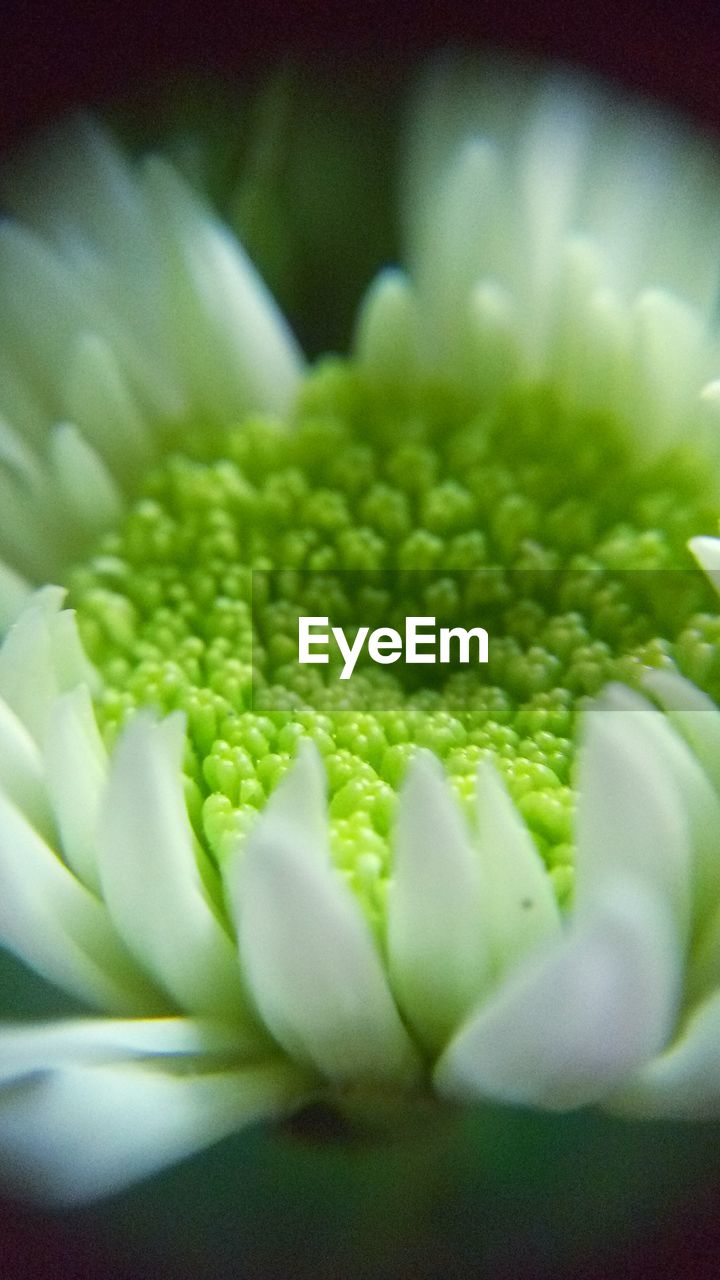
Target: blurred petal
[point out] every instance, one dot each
(631, 819)
(86, 486)
(684, 1082)
(79, 1133)
(386, 337)
(692, 713)
(232, 340)
(707, 553)
(27, 1049)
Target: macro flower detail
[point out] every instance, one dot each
(266, 886)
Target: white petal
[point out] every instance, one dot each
(683, 1083)
(521, 907)
(150, 875)
(631, 816)
(669, 366)
(233, 344)
(83, 1132)
(28, 1049)
(707, 553)
(386, 339)
(572, 1022)
(57, 927)
(98, 398)
(44, 305)
(15, 592)
(692, 713)
(438, 945)
(85, 485)
(692, 786)
(86, 181)
(553, 155)
(466, 244)
(42, 657)
(22, 777)
(491, 339)
(307, 951)
(76, 771)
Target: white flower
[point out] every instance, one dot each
(243, 954)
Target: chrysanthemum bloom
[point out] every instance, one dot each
(269, 886)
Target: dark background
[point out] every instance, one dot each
(55, 56)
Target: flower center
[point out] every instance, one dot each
(529, 520)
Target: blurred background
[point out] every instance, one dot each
(56, 56)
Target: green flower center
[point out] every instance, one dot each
(524, 518)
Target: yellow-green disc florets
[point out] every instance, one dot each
(528, 519)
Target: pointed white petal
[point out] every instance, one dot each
(576, 1019)
(707, 553)
(553, 153)
(234, 346)
(42, 657)
(98, 398)
(76, 771)
(438, 946)
(465, 245)
(669, 365)
(386, 338)
(85, 485)
(683, 1083)
(150, 875)
(26, 1049)
(692, 786)
(15, 592)
(21, 771)
(692, 713)
(20, 402)
(57, 927)
(521, 907)
(491, 339)
(631, 815)
(308, 953)
(43, 304)
(84, 1132)
(301, 801)
(86, 181)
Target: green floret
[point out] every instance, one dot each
(524, 518)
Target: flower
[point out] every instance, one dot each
(270, 887)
